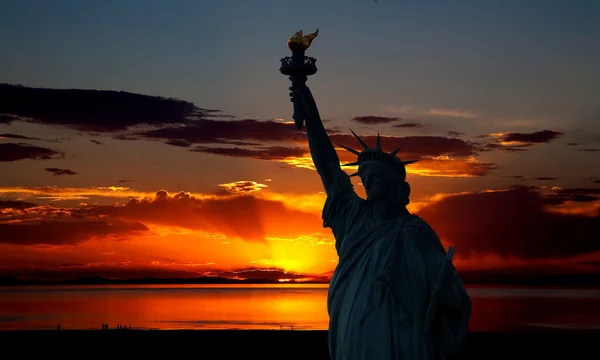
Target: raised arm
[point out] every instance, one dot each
(322, 151)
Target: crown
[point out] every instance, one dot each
(368, 154)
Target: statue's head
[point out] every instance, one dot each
(383, 184)
(383, 175)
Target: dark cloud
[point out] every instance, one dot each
(374, 119)
(264, 153)
(67, 232)
(518, 177)
(584, 198)
(572, 144)
(247, 134)
(124, 137)
(409, 125)
(516, 142)
(576, 194)
(205, 131)
(589, 149)
(243, 143)
(537, 137)
(517, 222)
(94, 110)
(495, 146)
(597, 181)
(178, 143)
(215, 113)
(438, 156)
(19, 151)
(124, 181)
(230, 132)
(455, 133)
(96, 142)
(577, 190)
(16, 136)
(512, 149)
(16, 204)
(58, 172)
(7, 118)
(545, 178)
(446, 156)
(413, 146)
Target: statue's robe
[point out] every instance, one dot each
(382, 285)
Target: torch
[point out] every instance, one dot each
(298, 67)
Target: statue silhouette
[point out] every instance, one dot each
(395, 293)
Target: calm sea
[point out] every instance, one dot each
(280, 306)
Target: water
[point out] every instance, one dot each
(280, 306)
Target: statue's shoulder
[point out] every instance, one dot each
(422, 233)
(415, 221)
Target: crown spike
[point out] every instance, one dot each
(351, 164)
(355, 174)
(378, 148)
(407, 162)
(393, 153)
(359, 140)
(355, 152)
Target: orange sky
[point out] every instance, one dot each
(270, 227)
(502, 114)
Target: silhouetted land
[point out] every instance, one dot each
(144, 281)
(488, 278)
(269, 344)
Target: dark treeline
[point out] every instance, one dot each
(144, 281)
(470, 278)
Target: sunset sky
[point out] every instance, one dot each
(498, 100)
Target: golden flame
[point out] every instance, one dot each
(301, 42)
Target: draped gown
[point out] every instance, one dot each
(382, 285)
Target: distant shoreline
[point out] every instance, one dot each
(566, 281)
(150, 281)
(274, 344)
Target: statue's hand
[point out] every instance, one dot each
(304, 104)
(300, 109)
(297, 89)
(449, 291)
(296, 95)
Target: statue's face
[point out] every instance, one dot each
(380, 181)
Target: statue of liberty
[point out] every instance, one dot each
(394, 293)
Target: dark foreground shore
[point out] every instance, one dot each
(267, 344)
